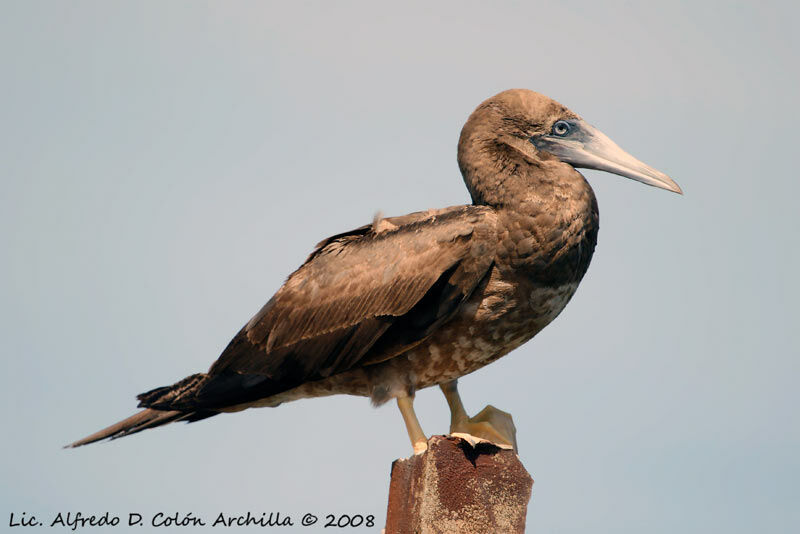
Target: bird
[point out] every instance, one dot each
(419, 300)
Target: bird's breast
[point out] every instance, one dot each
(543, 250)
(549, 249)
(501, 315)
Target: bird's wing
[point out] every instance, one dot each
(360, 298)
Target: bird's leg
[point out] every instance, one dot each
(418, 439)
(490, 423)
(458, 415)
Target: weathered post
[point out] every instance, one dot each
(458, 486)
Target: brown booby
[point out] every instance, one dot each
(422, 299)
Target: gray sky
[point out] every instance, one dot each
(164, 166)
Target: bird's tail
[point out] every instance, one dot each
(136, 423)
(161, 406)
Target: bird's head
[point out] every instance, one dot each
(522, 127)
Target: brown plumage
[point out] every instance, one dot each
(422, 299)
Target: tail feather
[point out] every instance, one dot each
(180, 395)
(163, 405)
(142, 420)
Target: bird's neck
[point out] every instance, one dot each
(500, 178)
(547, 213)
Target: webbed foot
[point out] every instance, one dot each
(490, 423)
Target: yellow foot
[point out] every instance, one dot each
(490, 424)
(420, 447)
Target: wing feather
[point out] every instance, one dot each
(360, 298)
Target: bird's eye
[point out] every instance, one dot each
(561, 128)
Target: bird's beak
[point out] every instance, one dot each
(587, 147)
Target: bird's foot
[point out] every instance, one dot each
(490, 424)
